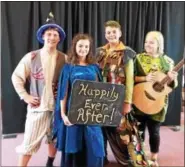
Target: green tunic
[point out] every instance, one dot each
(145, 64)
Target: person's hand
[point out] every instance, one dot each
(32, 100)
(150, 77)
(112, 67)
(66, 120)
(172, 75)
(54, 87)
(126, 108)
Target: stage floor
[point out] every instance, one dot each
(171, 150)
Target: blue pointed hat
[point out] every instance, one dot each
(50, 23)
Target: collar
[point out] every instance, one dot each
(120, 46)
(46, 53)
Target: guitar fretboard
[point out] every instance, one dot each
(176, 69)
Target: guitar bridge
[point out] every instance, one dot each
(149, 96)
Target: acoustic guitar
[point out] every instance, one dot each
(149, 97)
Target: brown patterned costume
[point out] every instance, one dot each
(125, 141)
(117, 68)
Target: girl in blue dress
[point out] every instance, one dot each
(81, 145)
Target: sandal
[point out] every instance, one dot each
(154, 163)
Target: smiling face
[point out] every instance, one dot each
(51, 38)
(112, 34)
(151, 45)
(82, 48)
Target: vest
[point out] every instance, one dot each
(37, 77)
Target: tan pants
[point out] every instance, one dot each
(38, 124)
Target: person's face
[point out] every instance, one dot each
(51, 38)
(82, 48)
(151, 45)
(112, 34)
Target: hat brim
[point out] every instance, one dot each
(43, 28)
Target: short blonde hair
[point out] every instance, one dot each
(159, 38)
(112, 23)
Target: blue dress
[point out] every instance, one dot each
(78, 143)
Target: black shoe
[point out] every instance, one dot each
(49, 165)
(50, 162)
(106, 161)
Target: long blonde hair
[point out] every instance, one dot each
(159, 38)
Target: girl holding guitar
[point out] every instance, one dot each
(147, 65)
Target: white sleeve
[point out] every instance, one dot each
(20, 74)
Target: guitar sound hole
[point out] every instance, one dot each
(158, 87)
(149, 96)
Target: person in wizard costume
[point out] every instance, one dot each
(81, 145)
(42, 68)
(116, 61)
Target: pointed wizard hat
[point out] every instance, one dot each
(50, 23)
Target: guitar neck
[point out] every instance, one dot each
(176, 69)
(179, 65)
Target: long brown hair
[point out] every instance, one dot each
(72, 55)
